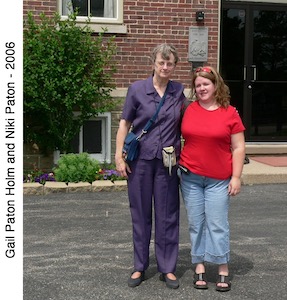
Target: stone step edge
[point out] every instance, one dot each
(35, 188)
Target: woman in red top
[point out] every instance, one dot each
(211, 164)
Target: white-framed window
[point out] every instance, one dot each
(95, 138)
(102, 13)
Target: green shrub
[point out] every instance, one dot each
(76, 167)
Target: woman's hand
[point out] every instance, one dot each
(234, 186)
(122, 167)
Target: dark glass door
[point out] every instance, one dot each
(253, 63)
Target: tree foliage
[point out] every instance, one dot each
(66, 69)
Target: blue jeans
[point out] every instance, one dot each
(207, 202)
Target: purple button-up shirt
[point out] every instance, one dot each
(140, 105)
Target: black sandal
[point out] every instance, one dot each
(223, 279)
(200, 277)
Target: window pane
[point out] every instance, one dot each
(111, 10)
(82, 5)
(75, 144)
(97, 8)
(92, 137)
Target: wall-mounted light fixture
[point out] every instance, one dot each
(199, 16)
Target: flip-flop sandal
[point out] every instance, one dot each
(223, 279)
(200, 277)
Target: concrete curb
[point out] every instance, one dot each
(50, 187)
(259, 173)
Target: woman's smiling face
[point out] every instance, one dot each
(204, 89)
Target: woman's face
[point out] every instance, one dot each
(204, 89)
(163, 68)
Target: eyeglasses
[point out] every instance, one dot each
(203, 69)
(161, 64)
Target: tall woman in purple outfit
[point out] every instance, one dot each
(150, 187)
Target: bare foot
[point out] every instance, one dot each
(171, 276)
(223, 270)
(136, 275)
(200, 268)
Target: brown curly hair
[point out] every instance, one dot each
(222, 93)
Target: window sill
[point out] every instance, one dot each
(111, 28)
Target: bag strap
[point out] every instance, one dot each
(151, 121)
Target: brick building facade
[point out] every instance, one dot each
(144, 25)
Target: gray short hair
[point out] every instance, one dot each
(165, 50)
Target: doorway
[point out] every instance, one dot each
(253, 62)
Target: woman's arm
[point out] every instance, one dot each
(123, 130)
(238, 154)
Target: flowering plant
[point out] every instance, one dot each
(45, 177)
(106, 174)
(37, 175)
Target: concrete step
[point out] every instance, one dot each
(266, 148)
(260, 173)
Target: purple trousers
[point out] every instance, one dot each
(150, 185)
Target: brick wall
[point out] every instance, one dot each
(150, 23)
(37, 6)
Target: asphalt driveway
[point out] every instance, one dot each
(78, 246)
